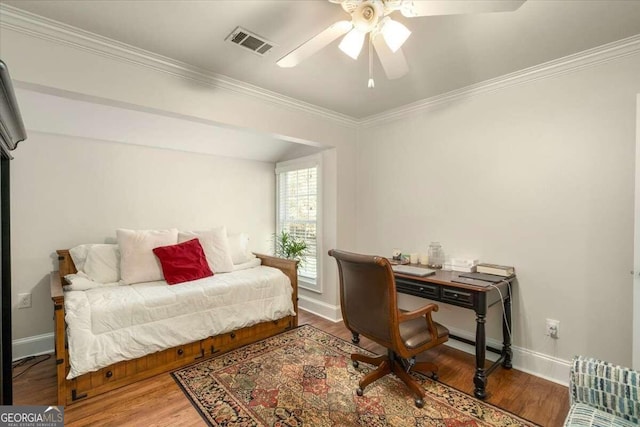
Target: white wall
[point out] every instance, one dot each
(539, 176)
(67, 191)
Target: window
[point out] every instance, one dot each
(298, 207)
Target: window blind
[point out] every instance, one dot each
(298, 213)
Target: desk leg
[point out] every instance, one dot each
(480, 379)
(506, 334)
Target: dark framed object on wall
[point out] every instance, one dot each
(11, 132)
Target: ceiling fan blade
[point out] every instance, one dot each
(314, 44)
(411, 8)
(394, 64)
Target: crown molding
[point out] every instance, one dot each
(595, 56)
(47, 29)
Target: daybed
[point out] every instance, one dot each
(115, 375)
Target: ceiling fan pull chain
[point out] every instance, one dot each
(370, 83)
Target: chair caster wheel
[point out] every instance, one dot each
(419, 403)
(355, 363)
(359, 391)
(434, 376)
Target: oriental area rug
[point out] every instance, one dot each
(304, 377)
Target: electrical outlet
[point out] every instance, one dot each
(553, 328)
(24, 300)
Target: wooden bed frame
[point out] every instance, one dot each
(129, 371)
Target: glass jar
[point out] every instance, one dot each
(436, 255)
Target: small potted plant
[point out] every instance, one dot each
(287, 246)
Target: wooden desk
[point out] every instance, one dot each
(440, 287)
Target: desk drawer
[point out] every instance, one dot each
(457, 297)
(420, 289)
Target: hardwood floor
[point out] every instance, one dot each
(158, 401)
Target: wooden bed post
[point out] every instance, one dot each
(57, 295)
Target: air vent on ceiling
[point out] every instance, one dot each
(247, 39)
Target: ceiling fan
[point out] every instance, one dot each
(372, 17)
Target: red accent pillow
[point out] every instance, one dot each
(183, 262)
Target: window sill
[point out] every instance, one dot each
(309, 284)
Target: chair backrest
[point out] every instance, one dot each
(368, 298)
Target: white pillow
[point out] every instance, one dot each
(79, 255)
(138, 263)
(103, 263)
(239, 246)
(215, 245)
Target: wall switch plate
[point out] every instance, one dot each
(24, 300)
(553, 328)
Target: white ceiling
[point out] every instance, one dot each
(444, 53)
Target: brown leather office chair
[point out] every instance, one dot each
(369, 306)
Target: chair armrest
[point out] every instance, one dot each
(408, 315)
(607, 387)
(425, 311)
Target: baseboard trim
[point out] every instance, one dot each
(541, 365)
(320, 308)
(32, 346)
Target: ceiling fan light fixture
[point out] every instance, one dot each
(352, 43)
(366, 16)
(394, 34)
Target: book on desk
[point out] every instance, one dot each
(495, 269)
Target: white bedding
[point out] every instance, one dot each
(111, 324)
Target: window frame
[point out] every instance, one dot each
(293, 165)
